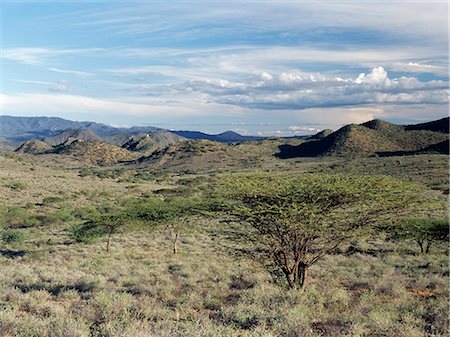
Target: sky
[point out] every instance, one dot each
(255, 67)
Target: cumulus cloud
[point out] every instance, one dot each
(300, 90)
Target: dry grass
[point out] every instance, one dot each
(217, 285)
(40, 182)
(220, 283)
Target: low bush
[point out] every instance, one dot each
(10, 236)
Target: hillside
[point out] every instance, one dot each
(152, 141)
(34, 146)
(321, 134)
(370, 138)
(89, 151)
(195, 155)
(440, 125)
(94, 152)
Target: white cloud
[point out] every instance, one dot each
(35, 82)
(300, 90)
(71, 72)
(70, 105)
(378, 77)
(42, 56)
(301, 128)
(417, 21)
(414, 67)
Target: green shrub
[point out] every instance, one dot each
(17, 217)
(12, 236)
(86, 233)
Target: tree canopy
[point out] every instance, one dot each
(303, 217)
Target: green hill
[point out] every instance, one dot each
(440, 125)
(34, 146)
(321, 134)
(195, 155)
(94, 152)
(374, 137)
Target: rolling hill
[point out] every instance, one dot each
(34, 146)
(376, 137)
(93, 152)
(195, 155)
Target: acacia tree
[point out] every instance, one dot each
(101, 221)
(424, 231)
(302, 218)
(174, 213)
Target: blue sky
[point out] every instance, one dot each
(256, 67)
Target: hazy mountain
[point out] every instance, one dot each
(7, 146)
(55, 130)
(224, 137)
(19, 129)
(81, 134)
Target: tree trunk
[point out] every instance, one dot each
(175, 241)
(302, 276)
(291, 278)
(420, 242)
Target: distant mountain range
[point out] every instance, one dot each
(19, 129)
(224, 137)
(152, 147)
(55, 130)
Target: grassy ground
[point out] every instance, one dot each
(216, 286)
(219, 284)
(25, 181)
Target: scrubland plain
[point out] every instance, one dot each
(221, 281)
